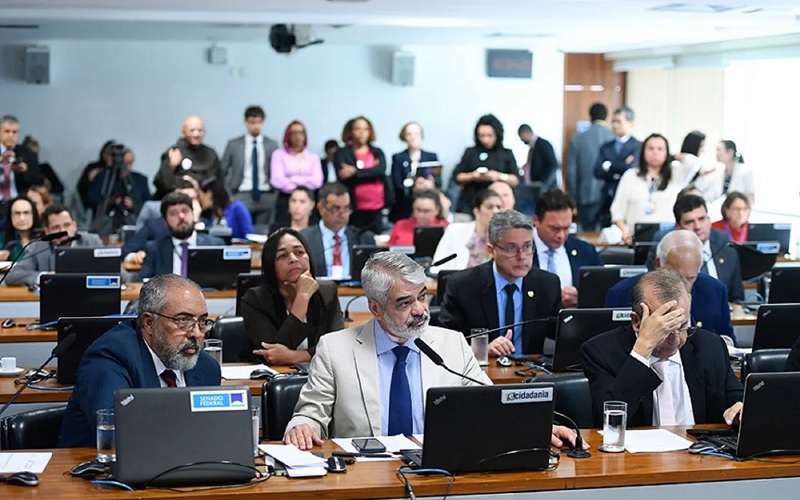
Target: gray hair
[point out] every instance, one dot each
(625, 110)
(679, 239)
(9, 119)
(153, 296)
(665, 283)
(383, 269)
(503, 221)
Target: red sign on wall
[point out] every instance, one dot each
(509, 63)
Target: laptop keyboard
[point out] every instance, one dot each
(729, 442)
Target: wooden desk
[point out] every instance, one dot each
(596, 477)
(740, 318)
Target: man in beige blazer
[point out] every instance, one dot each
(347, 394)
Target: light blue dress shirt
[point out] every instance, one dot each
(327, 246)
(502, 298)
(386, 361)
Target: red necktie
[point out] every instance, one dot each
(169, 377)
(337, 250)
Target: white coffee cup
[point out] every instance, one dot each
(8, 364)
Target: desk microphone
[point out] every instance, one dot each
(501, 328)
(347, 318)
(444, 260)
(438, 361)
(46, 237)
(577, 451)
(58, 350)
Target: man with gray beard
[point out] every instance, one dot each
(161, 348)
(371, 380)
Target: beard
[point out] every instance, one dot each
(413, 327)
(174, 357)
(182, 232)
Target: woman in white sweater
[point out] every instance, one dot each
(735, 176)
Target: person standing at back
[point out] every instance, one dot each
(189, 156)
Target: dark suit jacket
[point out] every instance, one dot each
(580, 254)
(401, 167)
(710, 307)
(159, 254)
(33, 176)
(470, 301)
(153, 229)
(793, 361)
(264, 323)
(632, 147)
(378, 172)
(117, 360)
(137, 187)
(726, 260)
(543, 164)
(501, 160)
(313, 236)
(615, 375)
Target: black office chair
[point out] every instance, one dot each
(617, 255)
(764, 361)
(278, 399)
(32, 430)
(573, 398)
(236, 346)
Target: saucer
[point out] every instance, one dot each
(12, 373)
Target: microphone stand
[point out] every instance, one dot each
(577, 451)
(47, 237)
(347, 318)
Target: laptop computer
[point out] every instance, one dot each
(576, 326)
(81, 295)
(785, 284)
(756, 258)
(87, 330)
(523, 411)
(768, 425)
(245, 282)
(426, 239)
(208, 439)
(218, 267)
(645, 232)
(359, 254)
(596, 280)
(780, 232)
(777, 326)
(88, 260)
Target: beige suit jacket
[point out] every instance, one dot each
(344, 385)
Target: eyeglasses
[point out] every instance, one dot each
(337, 209)
(187, 323)
(688, 330)
(512, 250)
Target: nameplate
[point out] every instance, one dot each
(627, 272)
(233, 400)
(107, 252)
(768, 247)
(621, 315)
(243, 253)
(515, 396)
(102, 282)
(782, 226)
(406, 249)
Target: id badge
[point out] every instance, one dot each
(650, 208)
(337, 272)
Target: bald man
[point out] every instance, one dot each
(189, 156)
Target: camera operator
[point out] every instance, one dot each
(117, 193)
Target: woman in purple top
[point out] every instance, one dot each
(226, 212)
(293, 166)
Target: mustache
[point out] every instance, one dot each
(415, 320)
(190, 344)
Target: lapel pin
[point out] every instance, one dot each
(530, 293)
(574, 252)
(699, 324)
(721, 260)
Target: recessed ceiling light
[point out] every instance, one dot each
(687, 8)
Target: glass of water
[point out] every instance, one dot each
(256, 429)
(214, 348)
(615, 418)
(480, 346)
(106, 451)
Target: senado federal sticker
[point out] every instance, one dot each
(231, 400)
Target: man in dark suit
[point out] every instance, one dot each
(583, 151)
(666, 371)
(162, 348)
(331, 241)
(615, 158)
(171, 253)
(557, 251)
(20, 167)
(504, 291)
(681, 251)
(720, 260)
(246, 158)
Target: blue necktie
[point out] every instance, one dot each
(400, 421)
(256, 192)
(618, 146)
(551, 261)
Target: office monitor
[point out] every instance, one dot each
(95, 260)
(646, 232)
(426, 239)
(576, 326)
(780, 232)
(777, 326)
(218, 267)
(78, 295)
(785, 284)
(596, 280)
(87, 330)
(756, 259)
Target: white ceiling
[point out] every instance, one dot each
(567, 25)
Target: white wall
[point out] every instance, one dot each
(139, 93)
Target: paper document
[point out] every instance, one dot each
(242, 372)
(738, 352)
(298, 463)
(392, 443)
(654, 441)
(418, 437)
(18, 462)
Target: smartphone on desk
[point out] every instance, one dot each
(368, 445)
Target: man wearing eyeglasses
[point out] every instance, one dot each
(668, 372)
(161, 348)
(505, 291)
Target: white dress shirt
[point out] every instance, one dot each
(180, 380)
(177, 250)
(672, 404)
(560, 257)
(263, 179)
(708, 260)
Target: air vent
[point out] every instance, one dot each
(19, 26)
(518, 35)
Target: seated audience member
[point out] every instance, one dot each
(129, 191)
(503, 188)
(720, 261)
(504, 291)
(362, 168)
(793, 361)
(425, 212)
(332, 239)
(292, 166)
(42, 254)
(226, 212)
(286, 316)
(154, 228)
(189, 156)
(105, 160)
(343, 398)
(681, 251)
(161, 348)
(667, 371)
(484, 163)
(40, 196)
(301, 207)
(735, 215)
(407, 177)
(557, 251)
(51, 179)
(170, 254)
(735, 176)
(469, 240)
(23, 219)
